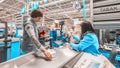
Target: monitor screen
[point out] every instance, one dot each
(57, 32)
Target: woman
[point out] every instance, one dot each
(89, 44)
(89, 41)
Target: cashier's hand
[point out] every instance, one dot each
(48, 56)
(72, 40)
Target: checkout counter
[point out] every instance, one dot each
(63, 57)
(60, 56)
(12, 52)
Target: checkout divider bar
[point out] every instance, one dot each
(73, 61)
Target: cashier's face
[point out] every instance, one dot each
(79, 30)
(77, 27)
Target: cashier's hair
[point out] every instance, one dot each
(86, 27)
(36, 13)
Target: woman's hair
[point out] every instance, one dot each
(36, 13)
(86, 26)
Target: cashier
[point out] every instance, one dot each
(30, 35)
(88, 41)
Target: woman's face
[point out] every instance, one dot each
(78, 30)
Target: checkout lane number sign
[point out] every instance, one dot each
(77, 5)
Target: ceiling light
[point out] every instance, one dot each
(1, 1)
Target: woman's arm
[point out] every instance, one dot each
(76, 38)
(84, 43)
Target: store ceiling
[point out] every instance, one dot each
(61, 9)
(10, 7)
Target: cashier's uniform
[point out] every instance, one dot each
(89, 43)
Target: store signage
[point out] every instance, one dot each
(110, 9)
(107, 9)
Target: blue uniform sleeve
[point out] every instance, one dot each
(76, 38)
(84, 43)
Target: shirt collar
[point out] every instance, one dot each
(33, 23)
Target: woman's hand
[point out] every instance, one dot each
(72, 40)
